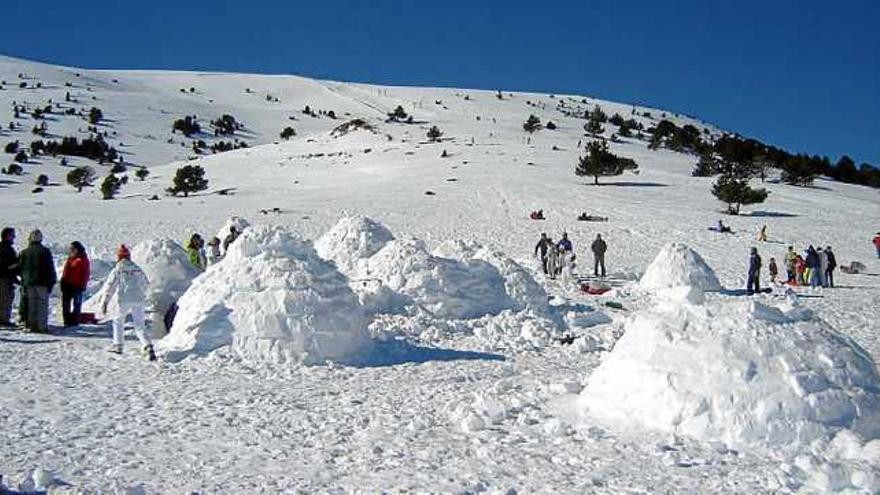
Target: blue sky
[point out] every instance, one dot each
(804, 75)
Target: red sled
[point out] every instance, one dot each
(88, 319)
(594, 291)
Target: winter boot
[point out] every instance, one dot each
(149, 353)
(115, 349)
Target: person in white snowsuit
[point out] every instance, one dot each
(823, 267)
(552, 260)
(125, 293)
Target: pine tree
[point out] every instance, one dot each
(288, 133)
(532, 124)
(110, 187)
(736, 192)
(707, 166)
(142, 174)
(189, 178)
(599, 162)
(434, 134)
(95, 115)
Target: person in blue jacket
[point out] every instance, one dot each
(753, 284)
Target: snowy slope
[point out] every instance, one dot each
(447, 415)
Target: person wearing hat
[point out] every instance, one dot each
(37, 278)
(753, 284)
(125, 294)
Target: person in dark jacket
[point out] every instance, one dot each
(74, 280)
(542, 247)
(37, 278)
(233, 235)
(8, 275)
(832, 264)
(599, 247)
(753, 284)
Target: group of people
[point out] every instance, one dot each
(125, 294)
(202, 258)
(558, 258)
(815, 267)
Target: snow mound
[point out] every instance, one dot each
(273, 299)
(167, 267)
(446, 288)
(521, 287)
(738, 372)
(351, 241)
(679, 265)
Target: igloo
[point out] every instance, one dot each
(738, 372)
(272, 298)
(678, 265)
(351, 241)
(446, 288)
(521, 287)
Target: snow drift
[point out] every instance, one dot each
(739, 372)
(273, 299)
(678, 265)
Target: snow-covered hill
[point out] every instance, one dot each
(449, 415)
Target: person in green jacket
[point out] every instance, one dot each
(37, 279)
(195, 250)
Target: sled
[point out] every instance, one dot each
(614, 305)
(725, 230)
(592, 218)
(88, 319)
(594, 290)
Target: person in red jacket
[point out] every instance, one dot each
(74, 280)
(876, 242)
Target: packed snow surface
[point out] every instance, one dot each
(679, 265)
(273, 299)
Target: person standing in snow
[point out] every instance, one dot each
(791, 264)
(753, 285)
(74, 280)
(800, 270)
(233, 235)
(541, 247)
(8, 275)
(810, 275)
(552, 260)
(565, 252)
(823, 267)
(599, 247)
(832, 264)
(774, 270)
(876, 242)
(125, 293)
(195, 250)
(37, 277)
(214, 255)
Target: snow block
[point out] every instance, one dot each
(678, 265)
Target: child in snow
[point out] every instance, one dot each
(214, 255)
(800, 268)
(125, 294)
(195, 249)
(552, 260)
(762, 235)
(774, 270)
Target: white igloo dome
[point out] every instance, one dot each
(678, 265)
(447, 288)
(351, 241)
(272, 298)
(738, 372)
